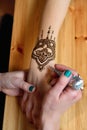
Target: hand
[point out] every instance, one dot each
(59, 99)
(53, 103)
(13, 84)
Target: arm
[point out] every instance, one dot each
(53, 15)
(43, 54)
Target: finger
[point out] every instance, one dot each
(63, 68)
(62, 82)
(53, 82)
(29, 108)
(12, 92)
(19, 74)
(71, 95)
(24, 100)
(24, 85)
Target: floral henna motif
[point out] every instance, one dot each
(44, 50)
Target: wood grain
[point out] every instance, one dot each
(71, 51)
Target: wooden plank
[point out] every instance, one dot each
(6, 7)
(72, 44)
(74, 53)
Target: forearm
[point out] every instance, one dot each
(43, 54)
(53, 15)
(52, 18)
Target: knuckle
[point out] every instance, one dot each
(76, 95)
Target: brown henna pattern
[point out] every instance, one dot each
(44, 50)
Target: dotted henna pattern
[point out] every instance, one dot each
(44, 50)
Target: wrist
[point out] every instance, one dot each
(39, 75)
(34, 66)
(50, 124)
(50, 120)
(44, 50)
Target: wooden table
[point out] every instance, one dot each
(72, 51)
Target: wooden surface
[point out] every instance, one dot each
(6, 7)
(72, 51)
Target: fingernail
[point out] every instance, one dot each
(67, 73)
(31, 88)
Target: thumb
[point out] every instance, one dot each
(19, 83)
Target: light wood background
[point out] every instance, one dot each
(72, 51)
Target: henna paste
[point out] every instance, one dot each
(44, 50)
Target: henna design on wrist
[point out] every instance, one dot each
(44, 50)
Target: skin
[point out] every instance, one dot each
(49, 99)
(55, 20)
(40, 78)
(13, 83)
(53, 103)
